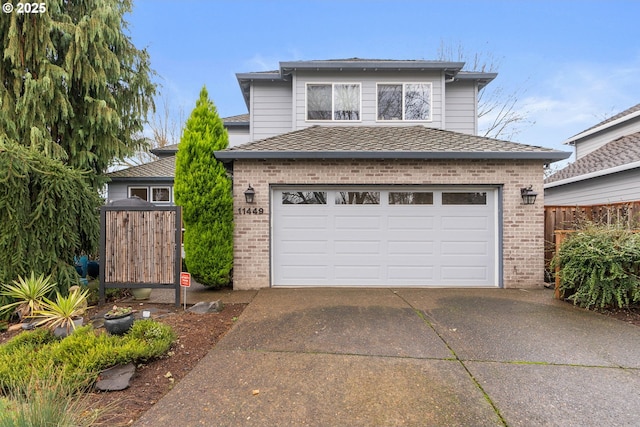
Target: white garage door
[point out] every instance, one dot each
(323, 236)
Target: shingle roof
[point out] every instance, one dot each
(163, 168)
(385, 142)
(619, 152)
(629, 111)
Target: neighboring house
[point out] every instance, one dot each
(370, 173)
(153, 181)
(607, 166)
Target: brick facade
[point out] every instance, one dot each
(522, 226)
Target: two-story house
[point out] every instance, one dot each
(607, 165)
(371, 173)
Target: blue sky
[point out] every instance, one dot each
(573, 63)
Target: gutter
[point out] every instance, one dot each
(573, 139)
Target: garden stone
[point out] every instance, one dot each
(207, 307)
(116, 378)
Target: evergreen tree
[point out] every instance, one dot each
(203, 189)
(48, 214)
(72, 84)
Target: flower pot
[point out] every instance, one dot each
(141, 293)
(118, 325)
(61, 332)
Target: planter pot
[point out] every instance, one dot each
(61, 332)
(141, 293)
(118, 325)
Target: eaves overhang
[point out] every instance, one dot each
(603, 127)
(230, 156)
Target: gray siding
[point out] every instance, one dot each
(237, 137)
(270, 109)
(593, 142)
(368, 81)
(460, 107)
(614, 188)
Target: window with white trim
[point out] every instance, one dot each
(337, 101)
(404, 101)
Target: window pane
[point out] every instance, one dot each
(140, 192)
(410, 198)
(357, 198)
(464, 198)
(304, 198)
(160, 194)
(389, 102)
(319, 102)
(346, 102)
(417, 102)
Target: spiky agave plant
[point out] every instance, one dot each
(27, 294)
(62, 312)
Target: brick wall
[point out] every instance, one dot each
(523, 226)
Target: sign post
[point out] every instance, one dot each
(185, 282)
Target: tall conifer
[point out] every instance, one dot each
(203, 189)
(72, 84)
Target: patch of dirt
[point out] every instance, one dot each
(629, 315)
(197, 335)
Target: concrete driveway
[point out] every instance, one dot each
(412, 357)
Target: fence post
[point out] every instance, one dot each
(560, 237)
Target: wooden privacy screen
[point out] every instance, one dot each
(140, 247)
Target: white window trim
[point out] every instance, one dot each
(166, 187)
(332, 84)
(403, 84)
(137, 187)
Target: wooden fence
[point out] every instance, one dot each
(140, 247)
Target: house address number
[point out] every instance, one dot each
(249, 211)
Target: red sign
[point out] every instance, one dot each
(185, 280)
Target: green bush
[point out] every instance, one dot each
(599, 266)
(203, 189)
(81, 356)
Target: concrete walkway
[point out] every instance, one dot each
(412, 357)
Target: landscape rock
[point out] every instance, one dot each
(207, 307)
(116, 378)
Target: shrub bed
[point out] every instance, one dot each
(599, 266)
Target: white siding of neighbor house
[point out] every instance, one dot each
(270, 109)
(460, 107)
(614, 188)
(597, 140)
(368, 81)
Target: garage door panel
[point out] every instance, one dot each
(357, 247)
(357, 222)
(305, 273)
(302, 222)
(410, 275)
(411, 248)
(295, 247)
(460, 222)
(399, 244)
(353, 272)
(462, 248)
(464, 273)
(412, 223)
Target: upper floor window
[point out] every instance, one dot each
(408, 101)
(338, 101)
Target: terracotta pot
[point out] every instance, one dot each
(118, 325)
